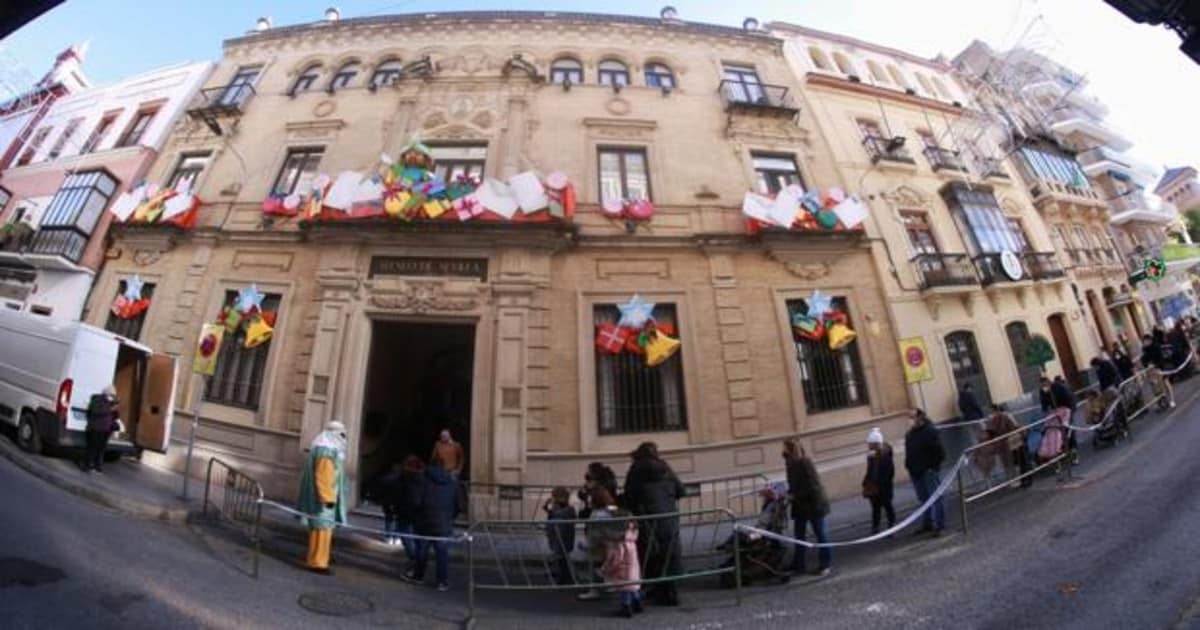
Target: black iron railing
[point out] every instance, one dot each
(741, 95)
(224, 99)
(991, 167)
(1042, 266)
(945, 270)
(944, 159)
(886, 149)
(67, 242)
(991, 270)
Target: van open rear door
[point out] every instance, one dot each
(158, 404)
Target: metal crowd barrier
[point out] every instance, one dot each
(237, 498)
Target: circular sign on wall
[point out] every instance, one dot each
(1011, 265)
(915, 356)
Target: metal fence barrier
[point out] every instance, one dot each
(237, 498)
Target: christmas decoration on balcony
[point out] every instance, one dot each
(245, 318)
(638, 333)
(409, 189)
(130, 303)
(1155, 268)
(822, 320)
(659, 346)
(633, 212)
(798, 210)
(636, 312)
(148, 204)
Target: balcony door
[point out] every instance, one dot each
(966, 365)
(240, 88)
(742, 84)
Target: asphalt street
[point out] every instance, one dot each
(1116, 547)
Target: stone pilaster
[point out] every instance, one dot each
(735, 351)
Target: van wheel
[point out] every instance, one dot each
(27, 434)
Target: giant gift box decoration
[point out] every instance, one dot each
(408, 189)
(823, 321)
(796, 209)
(636, 332)
(246, 318)
(149, 204)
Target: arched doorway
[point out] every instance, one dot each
(1066, 355)
(966, 365)
(1018, 338)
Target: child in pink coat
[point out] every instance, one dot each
(621, 565)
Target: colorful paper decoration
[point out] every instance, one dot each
(639, 210)
(613, 208)
(133, 287)
(659, 347)
(250, 299)
(1156, 269)
(819, 304)
(807, 327)
(207, 345)
(636, 312)
(851, 211)
(610, 338)
(258, 332)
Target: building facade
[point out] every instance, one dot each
(967, 263)
(490, 325)
(87, 147)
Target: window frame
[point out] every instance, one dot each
(180, 171)
(308, 77)
(446, 167)
(917, 222)
(819, 59)
(653, 381)
(68, 132)
(987, 227)
(623, 152)
(613, 75)
(571, 72)
(387, 72)
(244, 76)
(260, 368)
(308, 151)
(137, 127)
(342, 78)
(745, 77)
(770, 176)
(99, 133)
(654, 73)
(844, 63)
(34, 145)
(134, 325)
(849, 368)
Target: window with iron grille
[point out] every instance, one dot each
(831, 379)
(453, 160)
(189, 167)
(299, 169)
(632, 397)
(773, 172)
(137, 128)
(35, 143)
(238, 379)
(623, 174)
(129, 328)
(97, 136)
(64, 138)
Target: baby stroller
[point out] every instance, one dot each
(1113, 426)
(761, 558)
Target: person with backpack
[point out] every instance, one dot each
(923, 456)
(877, 484)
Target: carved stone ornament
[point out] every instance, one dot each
(425, 297)
(765, 129)
(146, 257)
(907, 197)
(808, 271)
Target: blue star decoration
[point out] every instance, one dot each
(635, 312)
(819, 304)
(133, 288)
(250, 299)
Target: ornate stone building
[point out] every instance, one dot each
(489, 326)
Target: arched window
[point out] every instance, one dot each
(898, 77)
(876, 71)
(844, 64)
(659, 75)
(613, 72)
(566, 70)
(926, 86)
(306, 80)
(345, 75)
(941, 88)
(819, 59)
(386, 73)
(966, 365)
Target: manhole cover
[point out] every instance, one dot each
(336, 604)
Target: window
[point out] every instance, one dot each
(566, 70)
(5, 196)
(451, 161)
(72, 214)
(774, 172)
(344, 76)
(831, 379)
(241, 87)
(137, 128)
(659, 76)
(238, 380)
(1050, 166)
(306, 80)
(819, 59)
(101, 130)
(299, 169)
(927, 139)
(978, 214)
(965, 363)
(64, 138)
(920, 233)
(941, 88)
(926, 86)
(188, 168)
(1019, 232)
(35, 143)
(623, 174)
(1081, 237)
(898, 78)
(1064, 244)
(613, 72)
(129, 328)
(742, 84)
(870, 129)
(387, 73)
(877, 71)
(1103, 243)
(632, 397)
(844, 64)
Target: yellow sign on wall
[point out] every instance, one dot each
(207, 348)
(915, 359)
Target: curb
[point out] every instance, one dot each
(80, 488)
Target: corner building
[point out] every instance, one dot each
(488, 327)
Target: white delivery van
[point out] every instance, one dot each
(49, 370)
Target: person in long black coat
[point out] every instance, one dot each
(651, 487)
(810, 505)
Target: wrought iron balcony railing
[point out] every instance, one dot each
(67, 242)
(889, 149)
(1042, 265)
(991, 270)
(945, 270)
(944, 159)
(757, 97)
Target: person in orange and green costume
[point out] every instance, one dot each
(323, 493)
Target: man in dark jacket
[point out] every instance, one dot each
(651, 487)
(101, 422)
(1064, 398)
(968, 404)
(1106, 373)
(439, 502)
(923, 455)
(809, 505)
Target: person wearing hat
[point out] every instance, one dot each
(323, 493)
(877, 484)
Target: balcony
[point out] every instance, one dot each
(757, 98)
(1043, 190)
(1180, 254)
(991, 167)
(226, 101)
(991, 270)
(1043, 266)
(1069, 121)
(48, 248)
(1101, 160)
(887, 150)
(944, 159)
(945, 270)
(1136, 206)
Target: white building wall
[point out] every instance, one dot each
(63, 293)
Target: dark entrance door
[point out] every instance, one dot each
(418, 383)
(1018, 337)
(1066, 356)
(964, 361)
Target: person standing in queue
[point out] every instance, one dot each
(810, 506)
(878, 483)
(923, 456)
(651, 487)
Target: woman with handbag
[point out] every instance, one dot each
(877, 483)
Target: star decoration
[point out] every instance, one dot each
(133, 288)
(635, 312)
(249, 299)
(819, 304)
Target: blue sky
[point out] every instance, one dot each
(1136, 70)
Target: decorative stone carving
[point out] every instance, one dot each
(765, 129)
(483, 120)
(618, 106)
(426, 297)
(620, 128)
(907, 197)
(324, 108)
(808, 271)
(434, 120)
(146, 257)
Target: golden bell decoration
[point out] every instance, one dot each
(840, 336)
(258, 333)
(659, 348)
(393, 205)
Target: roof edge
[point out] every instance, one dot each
(846, 39)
